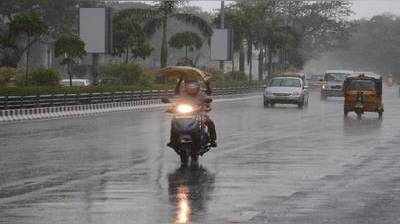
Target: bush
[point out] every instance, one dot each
(40, 77)
(48, 90)
(7, 75)
(45, 77)
(125, 74)
(229, 79)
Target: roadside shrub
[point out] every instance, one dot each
(230, 79)
(125, 74)
(48, 90)
(39, 77)
(45, 77)
(7, 76)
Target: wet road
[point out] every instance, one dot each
(277, 165)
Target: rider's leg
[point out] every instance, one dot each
(173, 141)
(211, 128)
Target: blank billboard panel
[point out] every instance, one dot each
(92, 29)
(221, 45)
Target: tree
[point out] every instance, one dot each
(28, 26)
(158, 17)
(71, 48)
(129, 37)
(242, 18)
(291, 30)
(187, 40)
(374, 45)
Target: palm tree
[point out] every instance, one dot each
(158, 17)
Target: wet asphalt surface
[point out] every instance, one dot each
(275, 165)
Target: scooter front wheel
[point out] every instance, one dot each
(184, 158)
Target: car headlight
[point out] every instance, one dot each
(324, 86)
(184, 108)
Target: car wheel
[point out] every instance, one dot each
(301, 104)
(266, 104)
(345, 112)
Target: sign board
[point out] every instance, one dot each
(221, 45)
(95, 29)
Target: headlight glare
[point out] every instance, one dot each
(184, 108)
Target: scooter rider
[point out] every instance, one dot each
(192, 92)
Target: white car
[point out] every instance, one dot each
(286, 90)
(75, 82)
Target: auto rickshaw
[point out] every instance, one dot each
(363, 94)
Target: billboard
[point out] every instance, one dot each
(221, 45)
(95, 29)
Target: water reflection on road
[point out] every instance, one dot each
(189, 190)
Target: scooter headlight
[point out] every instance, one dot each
(184, 108)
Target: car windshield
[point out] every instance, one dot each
(285, 82)
(335, 76)
(362, 85)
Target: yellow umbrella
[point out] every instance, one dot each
(185, 72)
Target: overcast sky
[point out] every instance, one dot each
(362, 8)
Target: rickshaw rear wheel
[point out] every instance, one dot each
(359, 115)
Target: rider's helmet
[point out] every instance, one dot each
(192, 87)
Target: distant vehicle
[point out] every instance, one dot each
(75, 82)
(363, 93)
(332, 83)
(301, 75)
(286, 90)
(315, 81)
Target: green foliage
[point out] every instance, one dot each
(291, 30)
(374, 45)
(19, 34)
(158, 19)
(187, 40)
(29, 24)
(46, 90)
(125, 74)
(230, 79)
(69, 46)
(40, 77)
(129, 36)
(7, 75)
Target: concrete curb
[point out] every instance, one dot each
(73, 111)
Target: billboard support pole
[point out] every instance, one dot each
(222, 26)
(95, 65)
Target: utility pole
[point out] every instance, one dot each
(222, 26)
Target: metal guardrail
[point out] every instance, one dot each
(57, 100)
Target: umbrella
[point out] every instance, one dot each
(185, 72)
